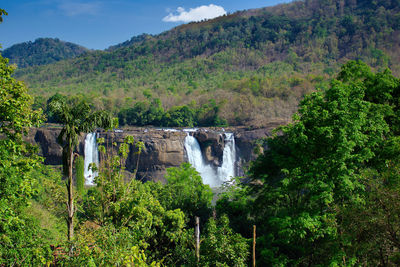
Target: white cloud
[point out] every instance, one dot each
(78, 8)
(195, 14)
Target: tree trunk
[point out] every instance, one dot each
(70, 204)
(254, 246)
(197, 234)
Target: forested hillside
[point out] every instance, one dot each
(326, 192)
(41, 52)
(259, 61)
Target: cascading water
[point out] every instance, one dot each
(213, 176)
(227, 170)
(196, 159)
(91, 156)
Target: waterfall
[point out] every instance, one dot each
(195, 158)
(227, 170)
(213, 176)
(91, 156)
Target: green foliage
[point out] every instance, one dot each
(142, 113)
(107, 246)
(237, 203)
(223, 247)
(128, 213)
(51, 116)
(258, 61)
(48, 202)
(145, 113)
(179, 116)
(325, 192)
(147, 220)
(22, 241)
(373, 224)
(185, 191)
(2, 12)
(80, 177)
(110, 182)
(314, 170)
(208, 114)
(77, 117)
(42, 51)
(16, 115)
(150, 217)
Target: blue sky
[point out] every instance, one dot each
(97, 24)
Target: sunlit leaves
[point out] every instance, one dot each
(221, 246)
(19, 233)
(185, 191)
(314, 168)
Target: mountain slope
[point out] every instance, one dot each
(41, 52)
(257, 64)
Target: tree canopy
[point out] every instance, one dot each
(315, 168)
(18, 231)
(77, 117)
(262, 62)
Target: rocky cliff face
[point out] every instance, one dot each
(46, 140)
(163, 148)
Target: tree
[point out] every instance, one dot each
(179, 116)
(2, 12)
(128, 212)
(77, 117)
(111, 187)
(185, 191)
(51, 117)
(314, 169)
(373, 226)
(19, 233)
(222, 246)
(237, 202)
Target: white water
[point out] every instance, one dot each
(213, 176)
(227, 170)
(91, 156)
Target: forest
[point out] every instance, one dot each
(324, 191)
(42, 51)
(262, 62)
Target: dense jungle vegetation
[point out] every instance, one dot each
(256, 64)
(326, 192)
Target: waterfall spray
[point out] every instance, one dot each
(213, 176)
(227, 170)
(195, 158)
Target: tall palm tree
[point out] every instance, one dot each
(77, 117)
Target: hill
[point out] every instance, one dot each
(132, 41)
(42, 51)
(256, 64)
